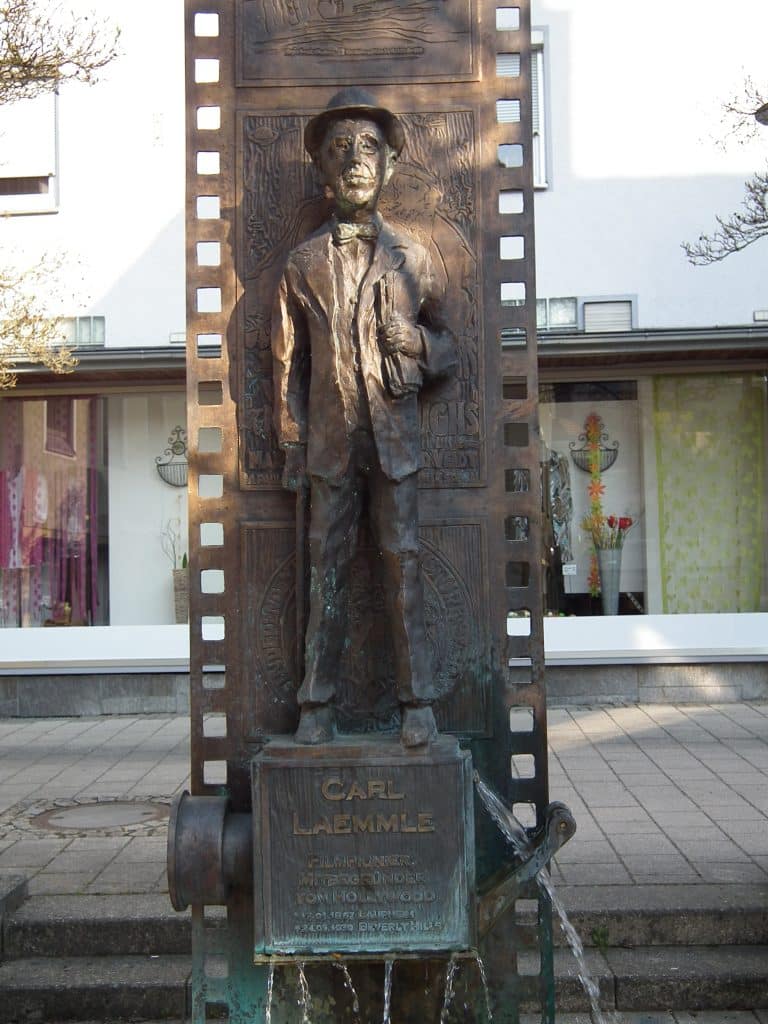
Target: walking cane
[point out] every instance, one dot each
(302, 505)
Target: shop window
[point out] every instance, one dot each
(683, 457)
(60, 427)
(90, 535)
(53, 568)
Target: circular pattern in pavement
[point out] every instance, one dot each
(145, 816)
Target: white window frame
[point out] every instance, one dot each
(539, 128)
(29, 203)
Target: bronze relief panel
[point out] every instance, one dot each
(453, 560)
(306, 42)
(433, 196)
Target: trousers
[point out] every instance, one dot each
(336, 509)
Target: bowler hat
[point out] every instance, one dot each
(354, 102)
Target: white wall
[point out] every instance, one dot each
(120, 219)
(140, 504)
(635, 105)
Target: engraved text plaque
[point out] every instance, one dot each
(362, 847)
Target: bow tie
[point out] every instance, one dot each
(343, 232)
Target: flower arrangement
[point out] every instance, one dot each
(607, 531)
(593, 429)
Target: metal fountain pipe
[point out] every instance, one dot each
(210, 851)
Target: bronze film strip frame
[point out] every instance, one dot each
(212, 430)
(518, 425)
(514, 431)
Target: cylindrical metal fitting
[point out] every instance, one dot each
(209, 851)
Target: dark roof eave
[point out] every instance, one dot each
(654, 348)
(110, 367)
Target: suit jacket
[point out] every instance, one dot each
(309, 404)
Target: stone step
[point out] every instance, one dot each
(67, 926)
(94, 988)
(607, 916)
(155, 988)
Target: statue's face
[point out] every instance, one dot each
(355, 163)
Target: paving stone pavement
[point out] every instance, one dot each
(664, 794)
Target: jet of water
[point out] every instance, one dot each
(270, 989)
(504, 818)
(305, 999)
(350, 988)
(450, 974)
(518, 838)
(486, 991)
(388, 965)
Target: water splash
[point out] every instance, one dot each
(486, 990)
(588, 983)
(350, 988)
(270, 990)
(388, 965)
(518, 838)
(450, 974)
(305, 999)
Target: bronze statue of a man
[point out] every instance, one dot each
(357, 329)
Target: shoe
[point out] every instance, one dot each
(419, 726)
(316, 725)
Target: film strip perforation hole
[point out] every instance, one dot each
(212, 628)
(208, 207)
(518, 622)
(517, 575)
(208, 162)
(206, 25)
(208, 118)
(507, 65)
(508, 111)
(517, 480)
(208, 254)
(214, 725)
(210, 486)
(212, 581)
(211, 535)
(522, 766)
(208, 345)
(511, 201)
(521, 719)
(214, 677)
(207, 70)
(512, 247)
(507, 19)
(215, 773)
(510, 155)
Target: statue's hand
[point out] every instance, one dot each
(295, 468)
(397, 335)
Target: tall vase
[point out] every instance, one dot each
(181, 595)
(609, 565)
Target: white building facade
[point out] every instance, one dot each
(671, 358)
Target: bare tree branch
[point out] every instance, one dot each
(738, 119)
(28, 332)
(43, 46)
(736, 232)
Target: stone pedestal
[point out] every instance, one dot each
(362, 847)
